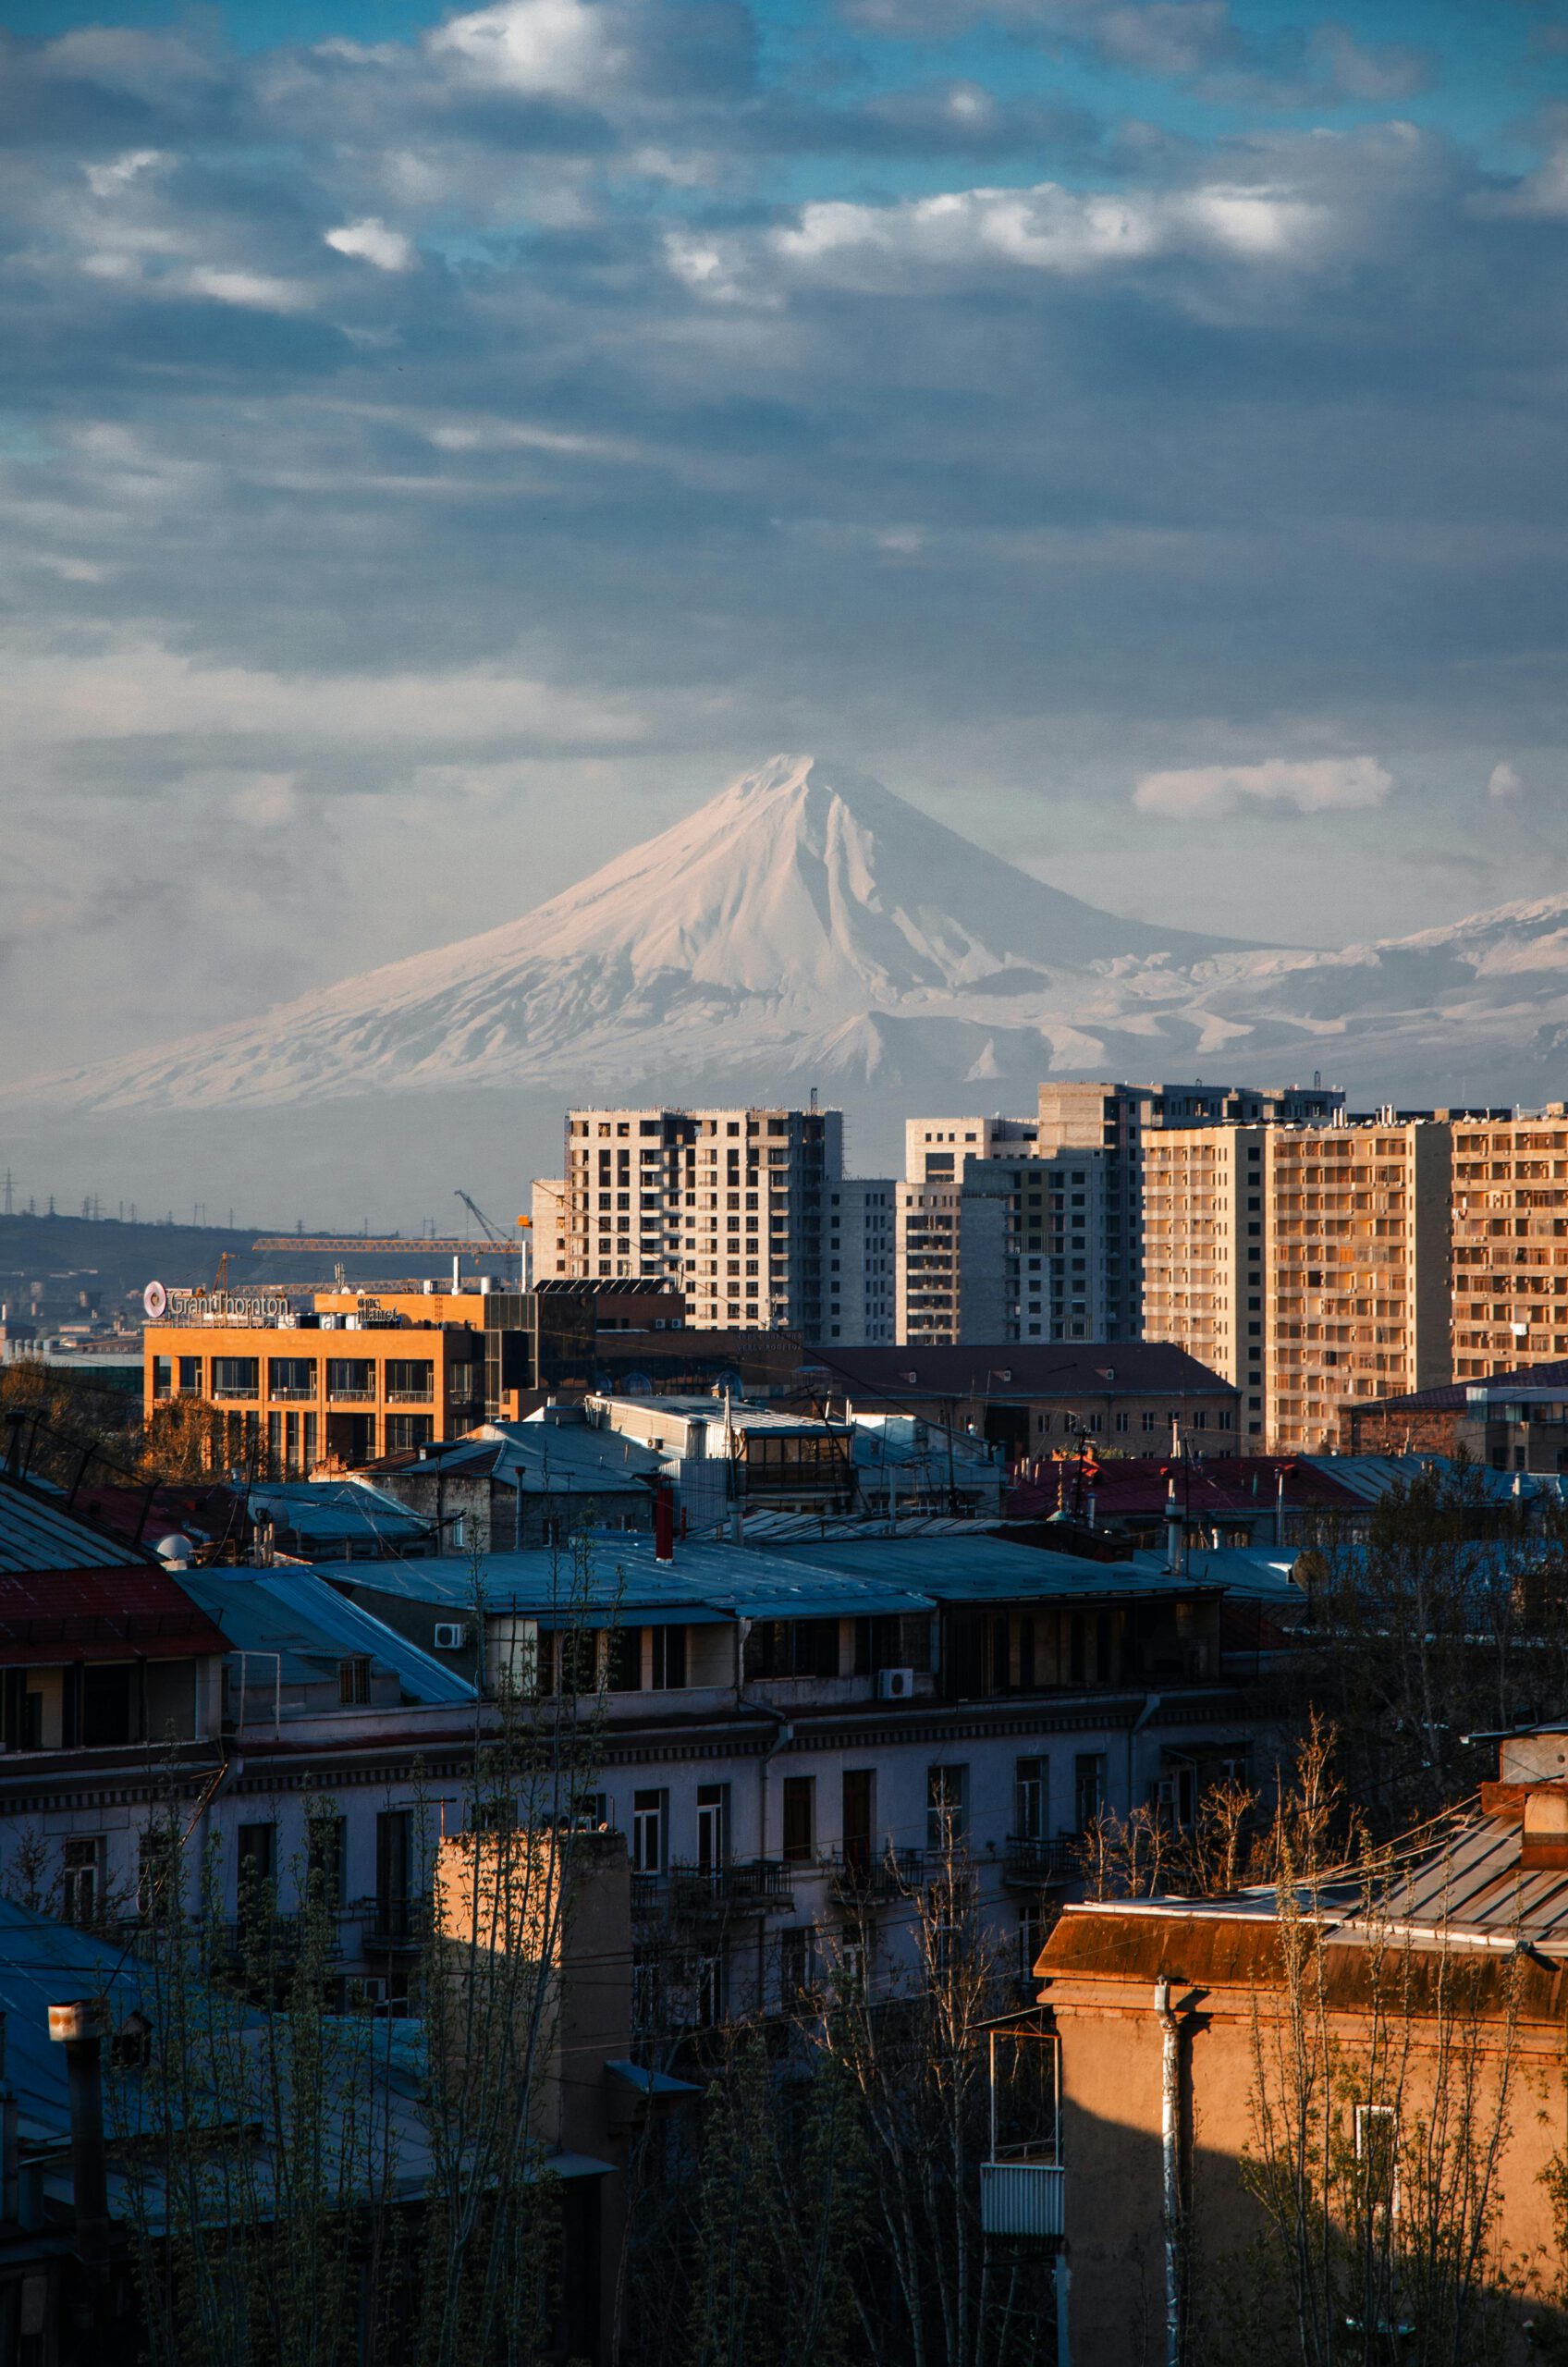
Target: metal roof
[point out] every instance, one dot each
(37, 1533)
(328, 1512)
(44, 1963)
(551, 1458)
(622, 1578)
(1246, 1571)
(1369, 1478)
(989, 1569)
(294, 1613)
(1475, 1884)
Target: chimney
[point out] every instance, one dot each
(79, 2026)
(1172, 1528)
(664, 1523)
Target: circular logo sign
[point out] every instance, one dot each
(155, 1298)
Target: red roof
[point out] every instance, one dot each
(1133, 1487)
(54, 1615)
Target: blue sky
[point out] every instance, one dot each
(439, 446)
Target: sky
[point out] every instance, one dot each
(439, 448)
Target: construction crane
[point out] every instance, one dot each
(503, 1247)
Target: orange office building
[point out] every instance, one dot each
(357, 1376)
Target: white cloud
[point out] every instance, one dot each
(557, 48)
(1325, 784)
(371, 241)
(1504, 782)
(257, 291)
(112, 180)
(1046, 229)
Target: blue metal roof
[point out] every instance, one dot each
(987, 1569)
(334, 1512)
(293, 1611)
(622, 1579)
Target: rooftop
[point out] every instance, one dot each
(1010, 1371)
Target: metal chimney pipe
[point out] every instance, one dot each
(79, 2026)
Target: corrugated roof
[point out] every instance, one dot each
(65, 1615)
(44, 1963)
(38, 1533)
(989, 1569)
(621, 1578)
(1369, 1478)
(295, 1612)
(331, 1512)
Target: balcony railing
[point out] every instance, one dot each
(291, 1396)
(741, 1886)
(351, 1396)
(864, 1877)
(1032, 1863)
(410, 1397)
(228, 1396)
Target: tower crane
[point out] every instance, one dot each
(497, 1238)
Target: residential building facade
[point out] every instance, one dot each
(1510, 1242)
(729, 1205)
(1308, 1264)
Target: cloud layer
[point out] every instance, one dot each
(1086, 412)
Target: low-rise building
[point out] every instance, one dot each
(794, 1738)
(517, 1484)
(1195, 2033)
(1029, 1399)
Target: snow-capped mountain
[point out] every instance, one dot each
(806, 926)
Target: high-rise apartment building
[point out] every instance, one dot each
(1509, 1240)
(1118, 1120)
(729, 1205)
(1032, 1229)
(1309, 1264)
(859, 1260)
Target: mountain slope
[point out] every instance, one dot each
(806, 926)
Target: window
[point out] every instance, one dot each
(947, 1806)
(650, 1821)
(257, 1846)
(1031, 1798)
(799, 1818)
(81, 1877)
(1028, 1937)
(713, 1827)
(1088, 1788)
(353, 1680)
(394, 1872)
(1377, 2149)
(326, 1857)
(796, 1964)
(669, 1658)
(158, 1868)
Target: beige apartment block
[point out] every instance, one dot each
(725, 1205)
(549, 1230)
(1308, 1264)
(1205, 1240)
(1358, 1271)
(1510, 1242)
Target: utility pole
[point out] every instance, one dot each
(10, 1211)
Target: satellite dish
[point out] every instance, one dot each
(156, 1299)
(175, 1551)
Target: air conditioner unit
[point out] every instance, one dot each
(895, 1685)
(451, 1634)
